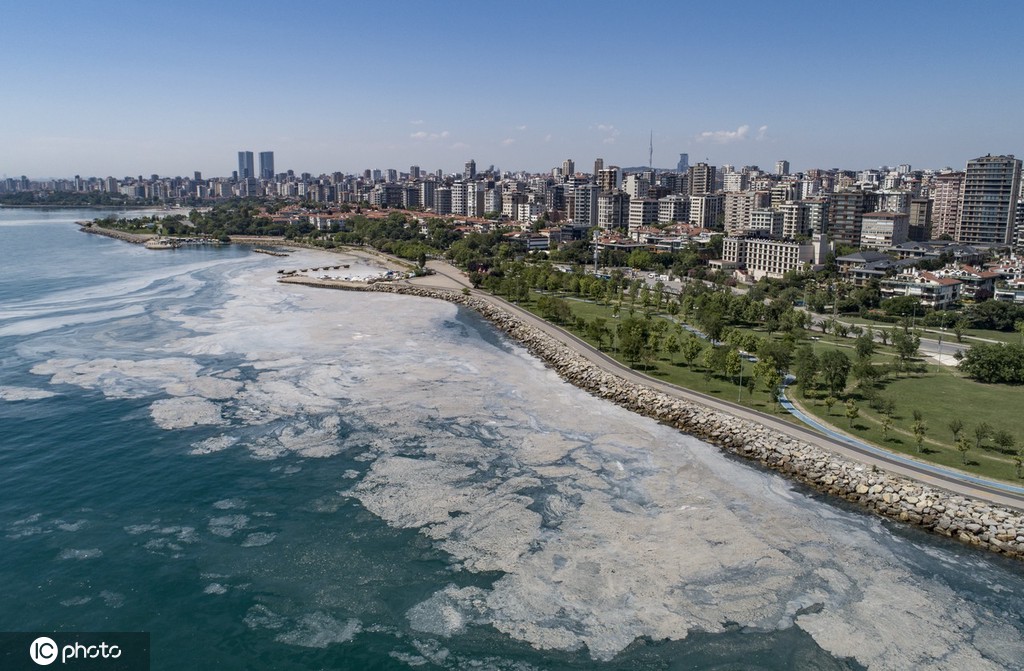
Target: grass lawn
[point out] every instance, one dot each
(939, 393)
(931, 332)
(675, 370)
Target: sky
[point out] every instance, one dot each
(100, 88)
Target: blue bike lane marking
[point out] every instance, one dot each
(867, 447)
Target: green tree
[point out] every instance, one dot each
(829, 402)
(1005, 440)
(767, 373)
(806, 366)
(835, 368)
(955, 426)
(982, 431)
(691, 348)
(963, 446)
(852, 411)
(994, 363)
(672, 345)
(633, 334)
(733, 364)
(920, 429)
(865, 345)
(960, 328)
(886, 427)
(906, 344)
(781, 351)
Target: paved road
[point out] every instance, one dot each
(449, 277)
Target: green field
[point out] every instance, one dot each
(939, 393)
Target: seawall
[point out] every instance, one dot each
(134, 238)
(973, 522)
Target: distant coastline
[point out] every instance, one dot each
(84, 207)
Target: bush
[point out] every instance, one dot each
(995, 363)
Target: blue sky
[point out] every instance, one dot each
(127, 88)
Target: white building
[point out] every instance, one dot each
(763, 257)
(705, 210)
(673, 208)
(642, 212)
(881, 230)
(765, 221)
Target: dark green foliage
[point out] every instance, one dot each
(995, 363)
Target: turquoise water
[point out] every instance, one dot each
(278, 477)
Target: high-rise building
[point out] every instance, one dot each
(245, 165)
(568, 168)
(266, 165)
(414, 172)
(598, 166)
(469, 170)
(706, 210)
(642, 212)
(945, 193)
(613, 209)
(608, 179)
(989, 204)
(635, 185)
(737, 206)
(920, 219)
(846, 215)
(782, 168)
(684, 163)
(585, 205)
(701, 179)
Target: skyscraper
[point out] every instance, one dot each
(701, 179)
(989, 203)
(945, 195)
(782, 168)
(266, 164)
(469, 170)
(684, 163)
(245, 165)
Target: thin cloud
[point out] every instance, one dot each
(430, 137)
(507, 141)
(547, 138)
(417, 122)
(521, 128)
(762, 133)
(726, 136)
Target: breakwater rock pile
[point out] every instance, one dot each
(134, 238)
(970, 521)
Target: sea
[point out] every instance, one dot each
(269, 476)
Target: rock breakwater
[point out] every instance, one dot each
(973, 522)
(133, 238)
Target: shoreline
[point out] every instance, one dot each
(995, 528)
(124, 236)
(388, 262)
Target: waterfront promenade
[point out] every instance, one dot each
(448, 277)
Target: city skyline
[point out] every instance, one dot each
(178, 89)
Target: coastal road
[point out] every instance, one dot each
(449, 277)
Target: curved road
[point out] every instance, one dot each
(448, 277)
